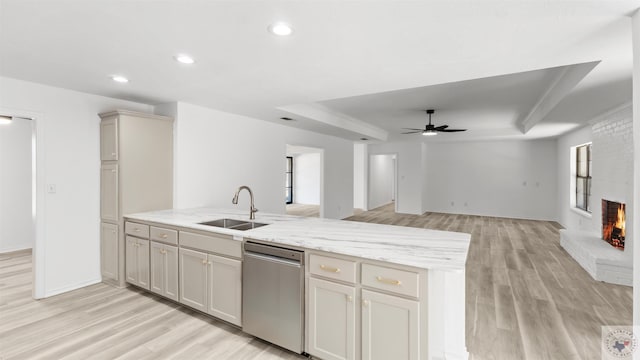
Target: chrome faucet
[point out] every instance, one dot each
(252, 210)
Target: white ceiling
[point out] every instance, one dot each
(502, 69)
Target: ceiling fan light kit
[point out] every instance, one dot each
(430, 129)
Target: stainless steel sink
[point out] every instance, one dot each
(233, 224)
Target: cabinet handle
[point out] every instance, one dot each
(113, 231)
(136, 229)
(329, 268)
(365, 303)
(113, 154)
(164, 236)
(349, 298)
(204, 262)
(163, 251)
(209, 263)
(113, 171)
(388, 281)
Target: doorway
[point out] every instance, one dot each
(382, 184)
(18, 192)
(304, 181)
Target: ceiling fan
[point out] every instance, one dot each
(430, 129)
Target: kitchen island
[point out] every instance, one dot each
(383, 269)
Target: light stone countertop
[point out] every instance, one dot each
(421, 248)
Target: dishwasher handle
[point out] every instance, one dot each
(264, 257)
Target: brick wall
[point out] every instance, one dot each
(612, 172)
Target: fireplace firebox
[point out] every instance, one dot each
(613, 223)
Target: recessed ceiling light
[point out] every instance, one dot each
(119, 78)
(280, 29)
(5, 120)
(364, 139)
(184, 59)
(286, 119)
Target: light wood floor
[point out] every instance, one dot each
(303, 210)
(526, 299)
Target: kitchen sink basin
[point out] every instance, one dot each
(233, 224)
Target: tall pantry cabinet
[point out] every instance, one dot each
(136, 153)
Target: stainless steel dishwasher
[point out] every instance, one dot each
(273, 295)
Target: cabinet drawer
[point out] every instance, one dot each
(167, 236)
(218, 244)
(333, 268)
(393, 280)
(135, 229)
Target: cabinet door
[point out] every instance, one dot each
(109, 251)
(225, 289)
(156, 272)
(164, 270)
(109, 139)
(193, 279)
(171, 272)
(142, 260)
(131, 260)
(390, 327)
(331, 320)
(109, 192)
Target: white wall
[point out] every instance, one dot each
(68, 221)
(636, 166)
(360, 160)
(218, 151)
(380, 180)
(409, 174)
(16, 218)
(515, 179)
(306, 179)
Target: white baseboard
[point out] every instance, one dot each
(64, 289)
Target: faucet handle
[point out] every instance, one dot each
(254, 210)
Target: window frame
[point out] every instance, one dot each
(289, 174)
(584, 178)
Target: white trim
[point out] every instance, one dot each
(38, 197)
(581, 212)
(68, 288)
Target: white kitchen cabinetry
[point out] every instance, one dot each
(164, 270)
(390, 327)
(137, 263)
(109, 251)
(193, 279)
(332, 319)
(385, 301)
(211, 284)
(136, 153)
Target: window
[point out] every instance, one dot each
(288, 184)
(583, 177)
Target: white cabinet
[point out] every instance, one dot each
(109, 192)
(109, 139)
(332, 319)
(109, 251)
(225, 289)
(137, 261)
(193, 279)
(390, 327)
(136, 153)
(211, 284)
(164, 270)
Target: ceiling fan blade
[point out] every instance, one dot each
(441, 127)
(413, 129)
(412, 132)
(451, 130)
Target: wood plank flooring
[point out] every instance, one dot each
(303, 210)
(526, 299)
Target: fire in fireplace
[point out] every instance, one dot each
(613, 223)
